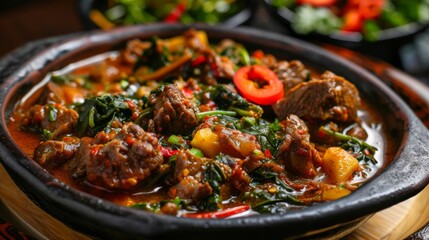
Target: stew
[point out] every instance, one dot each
(170, 126)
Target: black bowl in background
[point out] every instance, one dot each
(385, 48)
(404, 177)
(85, 6)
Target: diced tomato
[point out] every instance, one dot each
(370, 9)
(317, 3)
(219, 214)
(188, 93)
(258, 84)
(352, 21)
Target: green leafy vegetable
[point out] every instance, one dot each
(97, 114)
(361, 149)
(310, 19)
(225, 99)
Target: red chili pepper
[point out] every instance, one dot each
(176, 13)
(258, 84)
(268, 154)
(94, 151)
(219, 214)
(258, 54)
(198, 60)
(167, 152)
(321, 134)
(317, 3)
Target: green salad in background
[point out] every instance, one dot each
(130, 12)
(369, 17)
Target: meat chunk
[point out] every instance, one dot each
(173, 113)
(122, 162)
(53, 153)
(54, 120)
(296, 151)
(189, 172)
(291, 73)
(189, 188)
(134, 51)
(235, 143)
(332, 98)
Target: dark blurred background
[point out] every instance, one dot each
(22, 21)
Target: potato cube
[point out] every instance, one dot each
(334, 193)
(339, 164)
(206, 141)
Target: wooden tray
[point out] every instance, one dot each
(397, 222)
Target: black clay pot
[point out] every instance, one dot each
(406, 175)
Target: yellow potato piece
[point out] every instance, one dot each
(330, 194)
(207, 141)
(339, 164)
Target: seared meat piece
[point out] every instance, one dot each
(235, 143)
(133, 51)
(123, 162)
(189, 188)
(189, 172)
(54, 120)
(53, 153)
(173, 113)
(194, 40)
(333, 99)
(291, 73)
(296, 151)
(188, 165)
(239, 179)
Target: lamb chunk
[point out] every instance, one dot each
(188, 165)
(53, 153)
(189, 172)
(194, 41)
(239, 179)
(236, 143)
(296, 151)
(291, 73)
(76, 166)
(53, 118)
(332, 98)
(190, 188)
(134, 51)
(173, 113)
(130, 157)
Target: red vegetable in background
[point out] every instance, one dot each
(317, 3)
(258, 84)
(175, 15)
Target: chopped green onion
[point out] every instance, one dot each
(196, 152)
(201, 115)
(173, 139)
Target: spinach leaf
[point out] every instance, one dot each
(97, 114)
(226, 99)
